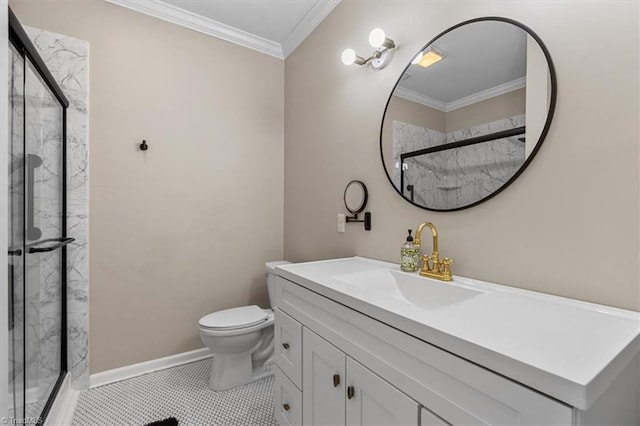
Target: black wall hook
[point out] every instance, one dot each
(144, 146)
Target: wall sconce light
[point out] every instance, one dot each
(381, 56)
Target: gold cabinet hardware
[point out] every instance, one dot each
(336, 380)
(432, 265)
(285, 345)
(351, 392)
(285, 406)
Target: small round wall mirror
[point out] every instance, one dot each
(468, 114)
(355, 200)
(355, 197)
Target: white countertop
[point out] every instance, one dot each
(567, 349)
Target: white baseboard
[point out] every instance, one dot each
(61, 413)
(134, 370)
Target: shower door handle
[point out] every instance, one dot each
(33, 162)
(60, 242)
(14, 252)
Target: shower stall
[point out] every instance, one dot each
(37, 237)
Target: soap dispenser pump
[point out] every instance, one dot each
(409, 255)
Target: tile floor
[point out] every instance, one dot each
(181, 392)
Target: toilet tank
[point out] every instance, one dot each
(271, 278)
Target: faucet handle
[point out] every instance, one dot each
(425, 263)
(446, 269)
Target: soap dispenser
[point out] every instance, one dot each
(409, 255)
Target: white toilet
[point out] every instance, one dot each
(241, 340)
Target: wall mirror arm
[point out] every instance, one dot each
(366, 220)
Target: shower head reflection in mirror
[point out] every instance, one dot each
(468, 114)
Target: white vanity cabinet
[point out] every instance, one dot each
(414, 352)
(393, 375)
(339, 390)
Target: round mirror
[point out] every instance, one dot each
(468, 114)
(355, 196)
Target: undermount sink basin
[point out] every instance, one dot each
(408, 288)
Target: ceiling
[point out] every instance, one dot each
(274, 27)
(478, 57)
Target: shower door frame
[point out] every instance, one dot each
(22, 43)
(4, 206)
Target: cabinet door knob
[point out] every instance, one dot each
(286, 407)
(336, 380)
(351, 392)
(285, 345)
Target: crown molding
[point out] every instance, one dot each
(483, 95)
(186, 19)
(419, 98)
(311, 20)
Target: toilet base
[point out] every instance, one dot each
(230, 371)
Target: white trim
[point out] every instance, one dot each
(311, 20)
(483, 95)
(134, 370)
(419, 98)
(64, 405)
(4, 220)
(492, 92)
(186, 19)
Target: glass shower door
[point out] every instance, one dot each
(16, 235)
(37, 259)
(44, 224)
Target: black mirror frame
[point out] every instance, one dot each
(543, 134)
(365, 197)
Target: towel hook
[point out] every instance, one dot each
(143, 145)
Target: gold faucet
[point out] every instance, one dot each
(433, 266)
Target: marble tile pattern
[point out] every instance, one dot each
(461, 176)
(68, 60)
(406, 138)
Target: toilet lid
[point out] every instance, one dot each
(244, 316)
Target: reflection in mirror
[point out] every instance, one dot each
(468, 114)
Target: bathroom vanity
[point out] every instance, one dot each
(359, 342)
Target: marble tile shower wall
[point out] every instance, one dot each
(426, 169)
(68, 60)
(442, 185)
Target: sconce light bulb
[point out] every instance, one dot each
(377, 38)
(348, 56)
(417, 59)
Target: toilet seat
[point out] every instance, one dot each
(234, 318)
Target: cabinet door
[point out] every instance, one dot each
(373, 401)
(323, 396)
(288, 346)
(287, 399)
